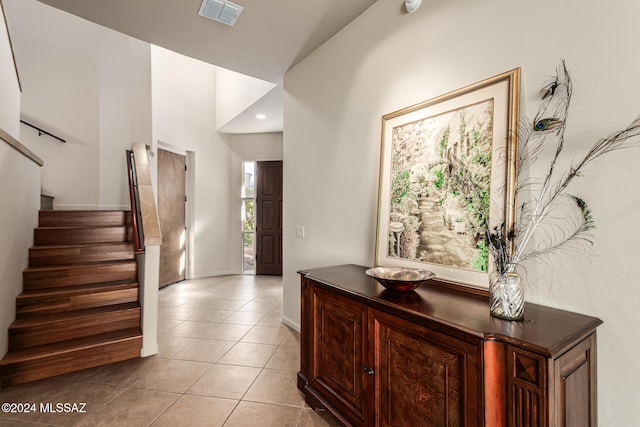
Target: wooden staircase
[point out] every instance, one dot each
(79, 308)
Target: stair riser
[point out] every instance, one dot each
(72, 276)
(52, 365)
(42, 257)
(80, 236)
(45, 305)
(47, 333)
(80, 218)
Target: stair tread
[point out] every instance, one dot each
(69, 315)
(79, 265)
(79, 307)
(69, 346)
(82, 226)
(77, 211)
(78, 289)
(79, 245)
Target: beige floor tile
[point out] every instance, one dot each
(165, 326)
(170, 301)
(74, 377)
(34, 392)
(126, 373)
(211, 331)
(205, 350)
(83, 399)
(192, 329)
(249, 354)
(169, 345)
(244, 318)
(15, 423)
(194, 411)
(173, 376)
(259, 306)
(95, 396)
(229, 332)
(225, 381)
(237, 295)
(271, 320)
(211, 315)
(134, 407)
(311, 418)
(270, 294)
(285, 359)
(292, 339)
(274, 386)
(201, 302)
(266, 335)
(177, 313)
(228, 304)
(250, 414)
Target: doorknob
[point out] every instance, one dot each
(368, 370)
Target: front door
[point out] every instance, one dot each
(269, 218)
(171, 210)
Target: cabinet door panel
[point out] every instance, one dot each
(338, 340)
(575, 386)
(422, 377)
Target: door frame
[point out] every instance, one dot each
(188, 213)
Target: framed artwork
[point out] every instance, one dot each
(447, 169)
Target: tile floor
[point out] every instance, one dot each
(225, 359)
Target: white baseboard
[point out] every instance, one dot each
(146, 352)
(213, 274)
(290, 323)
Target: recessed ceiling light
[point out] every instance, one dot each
(260, 116)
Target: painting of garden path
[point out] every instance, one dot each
(440, 175)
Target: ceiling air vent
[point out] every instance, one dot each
(220, 10)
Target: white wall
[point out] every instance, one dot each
(183, 93)
(246, 147)
(9, 86)
(19, 194)
(124, 111)
(389, 60)
(59, 70)
(235, 93)
(20, 202)
(88, 85)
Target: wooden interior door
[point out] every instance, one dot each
(269, 218)
(171, 210)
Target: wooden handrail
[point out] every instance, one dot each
(138, 243)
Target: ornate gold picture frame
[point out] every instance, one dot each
(430, 218)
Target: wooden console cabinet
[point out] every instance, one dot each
(435, 357)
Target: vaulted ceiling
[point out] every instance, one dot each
(269, 37)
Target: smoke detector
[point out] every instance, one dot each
(220, 10)
(412, 5)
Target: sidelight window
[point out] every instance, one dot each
(248, 217)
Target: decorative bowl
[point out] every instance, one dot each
(399, 279)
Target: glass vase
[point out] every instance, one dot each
(506, 294)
